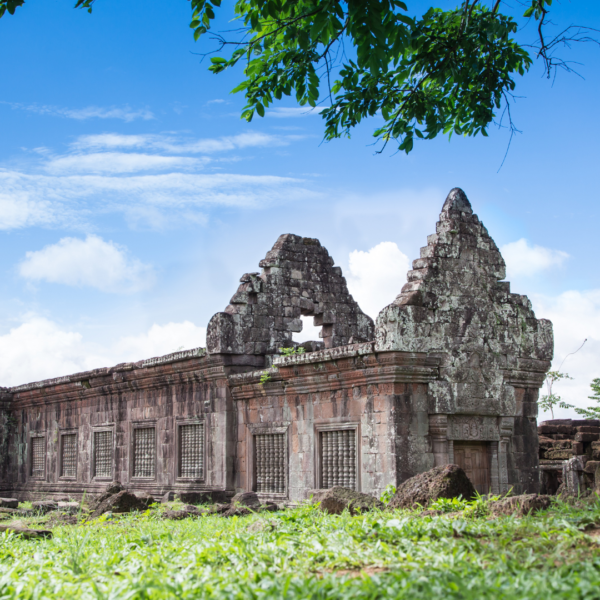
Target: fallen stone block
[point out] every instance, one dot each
(60, 519)
(145, 498)
(591, 466)
(168, 497)
(185, 513)
(69, 507)
(249, 499)
(241, 510)
(26, 532)
(520, 506)
(111, 490)
(447, 481)
(218, 509)
(238, 510)
(202, 497)
(122, 502)
(44, 506)
(261, 526)
(336, 499)
(9, 503)
(594, 451)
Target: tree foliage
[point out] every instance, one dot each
(444, 72)
(550, 400)
(592, 412)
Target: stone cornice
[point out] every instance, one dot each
(122, 367)
(348, 368)
(176, 369)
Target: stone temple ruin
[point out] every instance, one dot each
(449, 373)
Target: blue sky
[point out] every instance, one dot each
(132, 196)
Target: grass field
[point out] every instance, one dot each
(302, 553)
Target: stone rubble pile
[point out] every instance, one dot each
(569, 451)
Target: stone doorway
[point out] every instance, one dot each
(474, 459)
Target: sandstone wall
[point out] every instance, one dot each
(164, 393)
(383, 398)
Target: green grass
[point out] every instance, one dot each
(302, 553)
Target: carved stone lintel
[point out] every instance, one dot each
(476, 428)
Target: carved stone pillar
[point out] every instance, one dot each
(438, 430)
(495, 471)
(506, 430)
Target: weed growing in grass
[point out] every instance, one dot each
(303, 553)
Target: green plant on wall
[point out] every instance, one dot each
(292, 351)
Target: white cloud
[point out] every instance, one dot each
(161, 339)
(523, 259)
(124, 113)
(41, 349)
(575, 316)
(119, 162)
(91, 262)
(376, 277)
(280, 112)
(175, 144)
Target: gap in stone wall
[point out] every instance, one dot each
(309, 333)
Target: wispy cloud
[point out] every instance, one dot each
(177, 145)
(52, 200)
(92, 262)
(294, 112)
(151, 179)
(123, 113)
(120, 162)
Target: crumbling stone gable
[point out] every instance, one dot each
(297, 278)
(454, 304)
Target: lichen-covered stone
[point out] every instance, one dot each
(337, 499)
(44, 506)
(448, 481)
(298, 278)
(455, 304)
(121, 502)
(520, 505)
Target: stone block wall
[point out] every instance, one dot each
(383, 399)
(298, 278)
(162, 394)
(569, 451)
